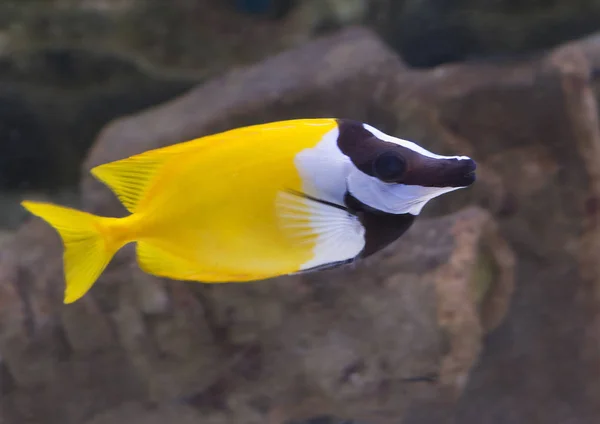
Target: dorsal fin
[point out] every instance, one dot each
(131, 177)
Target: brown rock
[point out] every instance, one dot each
(534, 124)
(414, 309)
(27, 313)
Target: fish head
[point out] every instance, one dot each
(398, 176)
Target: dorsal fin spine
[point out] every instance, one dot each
(132, 177)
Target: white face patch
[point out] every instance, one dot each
(392, 198)
(324, 170)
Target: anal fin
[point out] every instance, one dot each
(161, 262)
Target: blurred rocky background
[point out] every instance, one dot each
(486, 312)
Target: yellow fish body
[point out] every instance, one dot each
(243, 205)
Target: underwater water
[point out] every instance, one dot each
(485, 311)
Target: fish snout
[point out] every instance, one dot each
(468, 172)
(457, 172)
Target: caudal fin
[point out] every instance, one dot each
(87, 240)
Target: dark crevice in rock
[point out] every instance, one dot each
(55, 100)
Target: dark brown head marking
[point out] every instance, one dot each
(394, 163)
(381, 228)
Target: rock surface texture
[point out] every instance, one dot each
(496, 291)
(340, 343)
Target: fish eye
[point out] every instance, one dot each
(389, 167)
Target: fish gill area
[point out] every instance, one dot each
(490, 302)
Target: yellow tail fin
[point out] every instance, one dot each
(89, 242)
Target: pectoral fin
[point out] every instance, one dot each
(336, 234)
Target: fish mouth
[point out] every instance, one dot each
(462, 174)
(469, 176)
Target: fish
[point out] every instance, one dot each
(256, 202)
